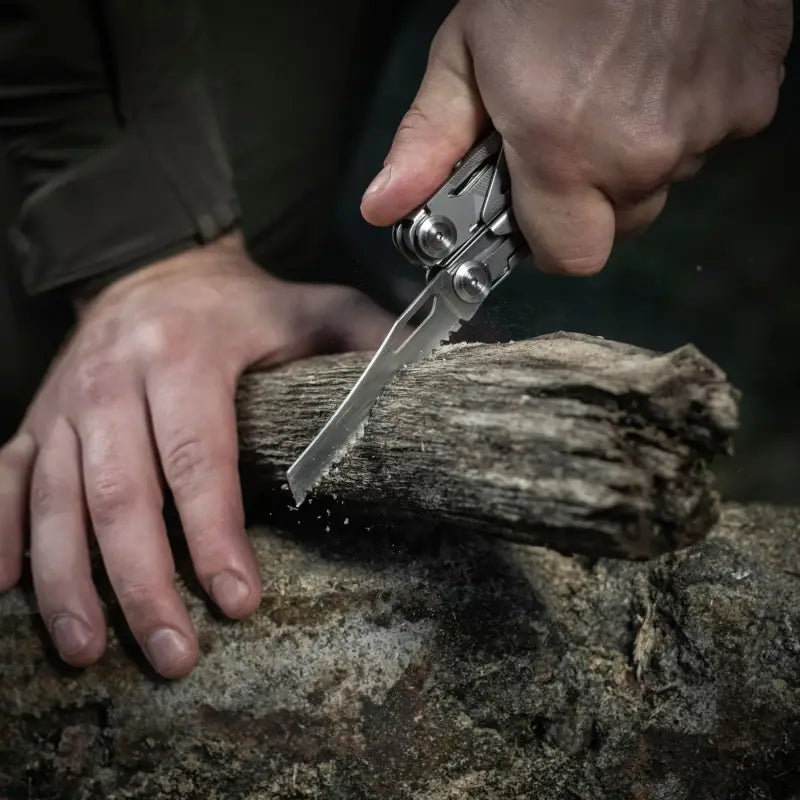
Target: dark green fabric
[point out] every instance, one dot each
(110, 136)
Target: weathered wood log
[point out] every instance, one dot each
(579, 443)
(470, 668)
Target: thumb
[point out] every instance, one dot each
(334, 319)
(443, 123)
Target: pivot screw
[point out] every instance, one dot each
(437, 237)
(471, 282)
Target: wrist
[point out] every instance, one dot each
(182, 256)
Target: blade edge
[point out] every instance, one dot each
(346, 425)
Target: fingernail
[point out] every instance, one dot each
(167, 649)
(229, 592)
(380, 182)
(70, 634)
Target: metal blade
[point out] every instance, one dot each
(401, 347)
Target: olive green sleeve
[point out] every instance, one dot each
(110, 136)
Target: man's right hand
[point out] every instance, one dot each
(602, 104)
(143, 395)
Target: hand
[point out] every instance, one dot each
(142, 393)
(601, 105)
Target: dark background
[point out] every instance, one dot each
(719, 269)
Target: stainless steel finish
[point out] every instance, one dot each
(478, 187)
(467, 238)
(471, 282)
(436, 237)
(402, 346)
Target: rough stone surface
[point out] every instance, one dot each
(575, 442)
(440, 668)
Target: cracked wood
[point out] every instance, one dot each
(569, 441)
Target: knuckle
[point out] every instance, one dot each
(548, 137)
(648, 163)
(187, 462)
(543, 122)
(416, 119)
(140, 595)
(167, 338)
(97, 380)
(111, 495)
(758, 112)
(46, 498)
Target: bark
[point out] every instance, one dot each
(578, 443)
(453, 668)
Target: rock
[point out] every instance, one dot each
(384, 666)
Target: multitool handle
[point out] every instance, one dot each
(477, 190)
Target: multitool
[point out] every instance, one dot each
(466, 237)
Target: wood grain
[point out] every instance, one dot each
(569, 441)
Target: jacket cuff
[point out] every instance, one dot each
(161, 185)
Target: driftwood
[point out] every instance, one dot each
(462, 669)
(578, 443)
